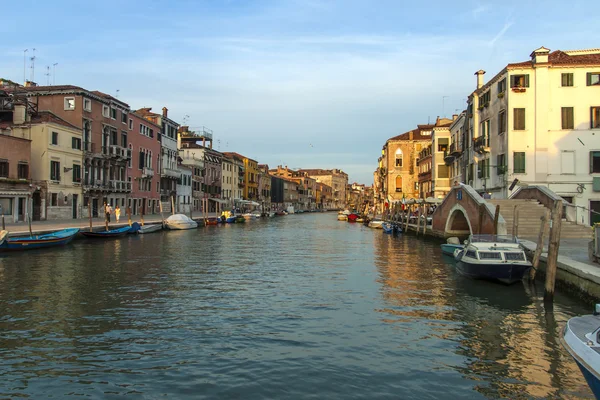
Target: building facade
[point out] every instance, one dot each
(143, 166)
(535, 123)
(184, 189)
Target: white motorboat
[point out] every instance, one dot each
(180, 221)
(256, 214)
(342, 217)
(150, 228)
(492, 257)
(376, 224)
(582, 340)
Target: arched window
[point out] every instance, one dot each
(398, 184)
(398, 158)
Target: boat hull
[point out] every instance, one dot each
(59, 238)
(183, 226)
(150, 228)
(586, 356)
(505, 272)
(107, 234)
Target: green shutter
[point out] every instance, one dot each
(519, 162)
(589, 79)
(527, 80)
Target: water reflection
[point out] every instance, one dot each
(508, 342)
(299, 306)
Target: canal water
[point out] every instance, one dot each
(301, 306)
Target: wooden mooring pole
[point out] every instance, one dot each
(3, 224)
(496, 218)
(553, 246)
(426, 213)
(90, 211)
(539, 247)
(515, 230)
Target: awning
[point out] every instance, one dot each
(433, 200)
(19, 193)
(220, 201)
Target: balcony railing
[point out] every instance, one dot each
(455, 149)
(120, 186)
(119, 152)
(482, 144)
(147, 172)
(170, 173)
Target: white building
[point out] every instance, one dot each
(536, 122)
(184, 189)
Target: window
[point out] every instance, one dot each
(130, 124)
(399, 158)
(54, 170)
(594, 162)
(124, 139)
(106, 111)
(124, 117)
(519, 162)
(3, 169)
(131, 151)
(566, 79)
(23, 170)
(485, 128)
(519, 119)
(76, 173)
(442, 145)
(76, 143)
(567, 117)
(484, 100)
(54, 199)
(593, 78)
(500, 164)
(567, 162)
(398, 184)
(483, 169)
(443, 171)
(594, 117)
(519, 81)
(502, 86)
(142, 158)
(501, 122)
(69, 103)
(54, 138)
(113, 113)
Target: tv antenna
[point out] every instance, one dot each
(185, 119)
(47, 75)
(32, 59)
(25, 65)
(117, 95)
(54, 74)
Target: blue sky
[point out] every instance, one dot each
(310, 83)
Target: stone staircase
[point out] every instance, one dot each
(530, 212)
(166, 206)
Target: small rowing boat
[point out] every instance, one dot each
(58, 238)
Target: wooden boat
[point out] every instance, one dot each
(581, 338)
(492, 257)
(107, 234)
(387, 227)
(180, 222)
(376, 224)
(150, 228)
(231, 220)
(211, 221)
(135, 228)
(58, 238)
(360, 220)
(352, 217)
(281, 213)
(240, 219)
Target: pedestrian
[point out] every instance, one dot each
(117, 213)
(107, 210)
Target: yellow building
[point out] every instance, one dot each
(250, 179)
(56, 165)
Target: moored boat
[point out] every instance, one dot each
(387, 227)
(211, 221)
(352, 217)
(59, 238)
(180, 222)
(449, 248)
(342, 217)
(111, 233)
(492, 257)
(150, 228)
(581, 338)
(376, 224)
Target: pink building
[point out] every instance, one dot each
(144, 165)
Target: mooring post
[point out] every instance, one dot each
(90, 212)
(426, 213)
(539, 247)
(553, 246)
(515, 229)
(3, 224)
(496, 218)
(106, 217)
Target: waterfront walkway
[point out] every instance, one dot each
(82, 223)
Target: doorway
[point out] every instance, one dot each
(75, 202)
(37, 206)
(21, 209)
(95, 208)
(594, 212)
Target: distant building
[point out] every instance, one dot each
(334, 178)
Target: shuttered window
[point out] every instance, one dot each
(519, 119)
(519, 81)
(594, 162)
(567, 79)
(519, 162)
(141, 160)
(567, 117)
(593, 78)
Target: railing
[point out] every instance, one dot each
(119, 152)
(170, 173)
(455, 149)
(482, 143)
(120, 186)
(147, 172)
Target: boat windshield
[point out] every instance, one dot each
(493, 239)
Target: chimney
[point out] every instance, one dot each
(540, 55)
(410, 135)
(30, 84)
(480, 74)
(19, 114)
(454, 117)
(165, 112)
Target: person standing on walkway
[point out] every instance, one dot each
(107, 210)
(117, 213)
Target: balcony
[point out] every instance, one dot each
(241, 185)
(95, 185)
(119, 152)
(119, 186)
(147, 172)
(455, 149)
(482, 144)
(170, 173)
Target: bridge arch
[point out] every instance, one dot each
(458, 223)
